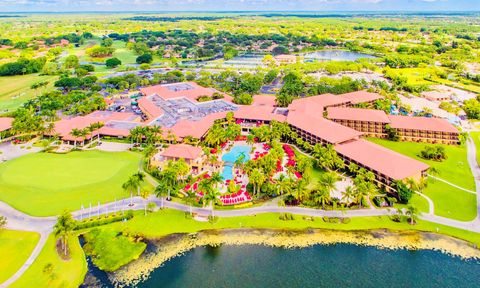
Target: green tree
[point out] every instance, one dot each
(63, 228)
(113, 62)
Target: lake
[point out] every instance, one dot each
(339, 265)
(336, 55)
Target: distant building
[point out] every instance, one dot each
(285, 59)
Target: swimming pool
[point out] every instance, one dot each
(232, 156)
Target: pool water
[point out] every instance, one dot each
(232, 156)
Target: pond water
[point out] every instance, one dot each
(336, 55)
(340, 265)
(232, 156)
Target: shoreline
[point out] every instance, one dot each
(165, 248)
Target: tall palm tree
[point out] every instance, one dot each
(349, 194)
(130, 186)
(216, 179)
(282, 184)
(76, 133)
(321, 196)
(139, 179)
(212, 197)
(161, 190)
(412, 213)
(63, 228)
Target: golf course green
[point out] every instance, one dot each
(44, 184)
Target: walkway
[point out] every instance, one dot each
(451, 184)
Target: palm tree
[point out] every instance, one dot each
(212, 197)
(76, 133)
(216, 179)
(139, 179)
(64, 227)
(412, 213)
(282, 184)
(322, 196)
(129, 186)
(149, 151)
(328, 180)
(257, 178)
(190, 199)
(349, 194)
(161, 191)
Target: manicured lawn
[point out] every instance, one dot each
(125, 55)
(159, 224)
(418, 201)
(15, 248)
(448, 200)
(15, 90)
(62, 273)
(45, 184)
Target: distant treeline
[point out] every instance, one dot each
(174, 19)
(12, 16)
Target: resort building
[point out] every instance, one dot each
(387, 165)
(364, 98)
(176, 110)
(423, 129)
(371, 122)
(374, 122)
(436, 96)
(192, 155)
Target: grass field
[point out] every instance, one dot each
(449, 201)
(15, 247)
(122, 53)
(44, 184)
(15, 90)
(63, 273)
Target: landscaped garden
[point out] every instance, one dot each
(44, 184)
(15, 248)
(449, 201)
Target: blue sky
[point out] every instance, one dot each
(237, 5)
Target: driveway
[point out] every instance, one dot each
(10, 151)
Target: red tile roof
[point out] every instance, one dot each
(316, 104)
(262, 113)
(5, 123)
(324, 129)
(149, 108)
(380, 159)
(196, 129)
(357, 114)
(422, 123)
(190, 90)
(65, 126)
(264, 100)
(182, 151)
(358, 97)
